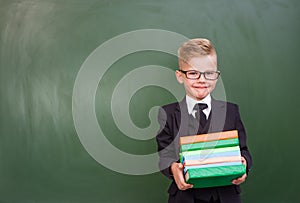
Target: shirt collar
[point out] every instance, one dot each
(191, 103)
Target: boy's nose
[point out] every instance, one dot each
(202, 78)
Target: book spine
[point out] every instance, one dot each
(209, 137)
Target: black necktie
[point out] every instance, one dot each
(199, 113)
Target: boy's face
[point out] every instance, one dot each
(198, 89)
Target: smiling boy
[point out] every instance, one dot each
(198, 73)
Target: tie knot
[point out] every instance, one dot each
(200, 106)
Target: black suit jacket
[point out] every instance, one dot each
(173, 120)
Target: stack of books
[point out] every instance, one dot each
(212, 159)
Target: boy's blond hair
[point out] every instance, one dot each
(195, 48)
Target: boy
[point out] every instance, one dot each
(198, 73)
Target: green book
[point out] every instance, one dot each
(214, 176)
(209, 145)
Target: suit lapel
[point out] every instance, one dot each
(181, 116)
(218, 116)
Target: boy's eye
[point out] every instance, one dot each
(193, 73)
(209, 73)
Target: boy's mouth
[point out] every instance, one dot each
(200, 87)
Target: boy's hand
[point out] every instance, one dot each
(177, 171)
(242, 179)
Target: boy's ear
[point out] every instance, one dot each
(179, 76)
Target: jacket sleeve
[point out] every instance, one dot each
(165, 143)
(243, 140)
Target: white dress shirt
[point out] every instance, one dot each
(191, 103)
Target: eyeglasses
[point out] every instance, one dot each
(194, 75)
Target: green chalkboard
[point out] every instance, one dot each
(80, 82)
